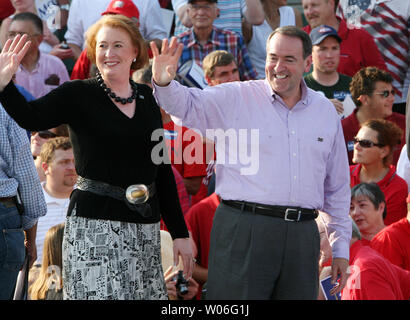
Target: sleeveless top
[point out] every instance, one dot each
(257, 45)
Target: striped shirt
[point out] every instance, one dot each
(388, 22)
(218, 40)
(17, 170)
(49, 73)
(230, 18)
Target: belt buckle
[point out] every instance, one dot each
(291, 210)
(137, 193)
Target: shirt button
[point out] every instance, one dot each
(294, 177)
(293, 132)
(294, 154)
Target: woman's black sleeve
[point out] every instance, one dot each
(170, 207)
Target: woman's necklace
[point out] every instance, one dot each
(112, 93)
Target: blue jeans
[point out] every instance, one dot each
(12, 250)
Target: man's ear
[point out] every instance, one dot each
(363, 98)
(44, 165)
(308, 63)
(208, 79)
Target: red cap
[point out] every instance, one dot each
(125, 7)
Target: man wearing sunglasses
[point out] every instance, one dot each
(373, 94)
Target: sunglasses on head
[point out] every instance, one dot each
(366, 143)
(45, 134)
(385, 93)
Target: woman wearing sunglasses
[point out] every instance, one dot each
(374, 146)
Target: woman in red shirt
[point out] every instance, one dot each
(374, 146)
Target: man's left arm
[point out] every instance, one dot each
(336, 206)
(254, 13)
(246, 69)
(25, 173)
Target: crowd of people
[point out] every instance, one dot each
(227, 142)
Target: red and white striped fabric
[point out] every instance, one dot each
(388, 22)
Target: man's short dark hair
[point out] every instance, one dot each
(364, 81)
(292, 31)
(29, 16)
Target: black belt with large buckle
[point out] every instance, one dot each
(294, 214)
(135, 196)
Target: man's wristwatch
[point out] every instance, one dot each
(64, 7)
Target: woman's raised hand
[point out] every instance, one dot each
(165, 64)
(10, 57)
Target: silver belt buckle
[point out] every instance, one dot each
(137, 193)
(288, 210)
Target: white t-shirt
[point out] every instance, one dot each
(403, 166)
(84, 13)
(56, 214)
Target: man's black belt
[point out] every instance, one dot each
(287, 213)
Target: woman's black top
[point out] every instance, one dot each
(108, 146)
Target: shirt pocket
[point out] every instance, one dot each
(314, 150)
(13, 249)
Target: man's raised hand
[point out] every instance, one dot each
(10, 57)
(165, 64)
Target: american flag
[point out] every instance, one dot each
(388, 22)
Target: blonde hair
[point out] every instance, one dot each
(217, 58)
(51, 145)
(121, 22)
(50, 276)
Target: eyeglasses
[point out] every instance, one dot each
(45, 134)
(12, 34)
(366, 143)
(197, 7)
(386, 93)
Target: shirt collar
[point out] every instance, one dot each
(37, 67)
(305, 98)
(213, 38)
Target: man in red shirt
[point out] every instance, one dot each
(393, 242)
(373, 277)
(373, 94)
(199, 219)
(357, 49)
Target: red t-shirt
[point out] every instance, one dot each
(6, 9)
(373, 277)
(351, 127)
(393, 242)
(199, 218)
(357, 49)
(394, 189)
(182, 144)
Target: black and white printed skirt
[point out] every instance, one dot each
(112, 260)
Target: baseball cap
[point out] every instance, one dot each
(320, 33)
(125, 7)
(213, 1)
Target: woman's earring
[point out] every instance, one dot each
(135, 59)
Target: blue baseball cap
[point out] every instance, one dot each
(320, 33)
